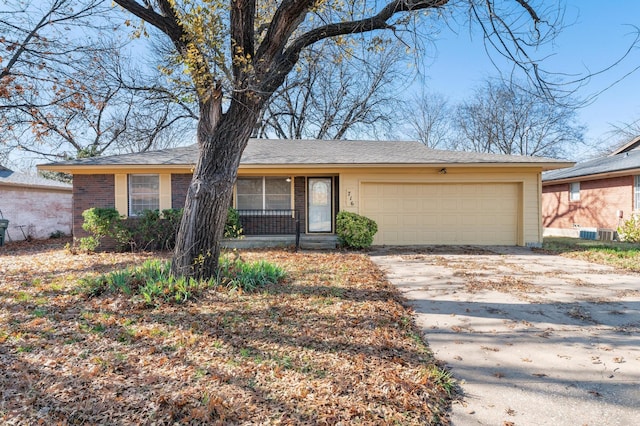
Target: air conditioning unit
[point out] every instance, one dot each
(606, 234)
(589, 234)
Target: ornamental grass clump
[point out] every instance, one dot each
(153, 283)
(248, 276)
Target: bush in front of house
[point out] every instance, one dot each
(101, 223)
(629, 231)
(151, 230)
(155, 230)
(354, 230)
(233, 228)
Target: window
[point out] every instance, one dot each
(636, 193)
(144, 193)
(263, 193)
(574, 191)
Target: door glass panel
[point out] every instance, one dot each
(319, 204)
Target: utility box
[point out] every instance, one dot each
(4, 224)
(588, 234)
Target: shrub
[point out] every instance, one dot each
(101, 223)
(355, 231)
(57, 234)
(233, 228)
(629, 231)
(153, 230)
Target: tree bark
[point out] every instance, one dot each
(222, 139)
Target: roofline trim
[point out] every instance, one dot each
(189, 168)
(36, 186)
(587, 177)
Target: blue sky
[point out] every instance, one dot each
(598, 33)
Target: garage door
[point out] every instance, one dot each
(473, 213)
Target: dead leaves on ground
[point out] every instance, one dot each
(331, 344)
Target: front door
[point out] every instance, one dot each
(320, 206)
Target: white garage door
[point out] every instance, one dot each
(468, 213)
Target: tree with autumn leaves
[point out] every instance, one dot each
(237, 53)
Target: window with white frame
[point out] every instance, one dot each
(574, 191)
(263, 193)
(636, 193)
(144, 193)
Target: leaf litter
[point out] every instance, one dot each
(331, 344)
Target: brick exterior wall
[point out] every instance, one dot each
(300, 200)
(179, 186)
(99, 191)
(91, 191)
(599, 201)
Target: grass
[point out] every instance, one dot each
(271, 354)
(621, 255)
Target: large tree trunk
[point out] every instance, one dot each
(221, 139)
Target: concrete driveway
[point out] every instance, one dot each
(534, 339)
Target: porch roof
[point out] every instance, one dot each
(269, 152)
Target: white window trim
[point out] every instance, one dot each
(574, 196)
(131, 213)
(636, 192)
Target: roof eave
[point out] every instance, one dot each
(36, 186)
(593, 176)
(188, 168)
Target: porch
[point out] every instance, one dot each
(306, 242)
(277, 228)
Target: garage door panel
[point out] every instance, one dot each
(472, 213)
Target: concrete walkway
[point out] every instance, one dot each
(534, 339)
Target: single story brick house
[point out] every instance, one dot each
(35, 207)
(597, 194)
(416, 195)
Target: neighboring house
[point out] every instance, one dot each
(597, 194)
(35, 207)
(416, 195)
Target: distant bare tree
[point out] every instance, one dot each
(61, 97)
(333, 94)
(506, 118)
(429, 118)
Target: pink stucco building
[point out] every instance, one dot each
(35, 207)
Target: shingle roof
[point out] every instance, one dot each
(629, 160)
(9, 177)
(315, 152)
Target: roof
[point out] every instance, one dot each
(626, 161)
(9, 177)
(629, 146)
(316, 152)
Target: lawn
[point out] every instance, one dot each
(331, 343)
(625, 256)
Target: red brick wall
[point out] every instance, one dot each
(91, 191)
(99, 191)
(179, 186)
(300, 200)
(599, 201)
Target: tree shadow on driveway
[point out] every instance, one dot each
(533, 338)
